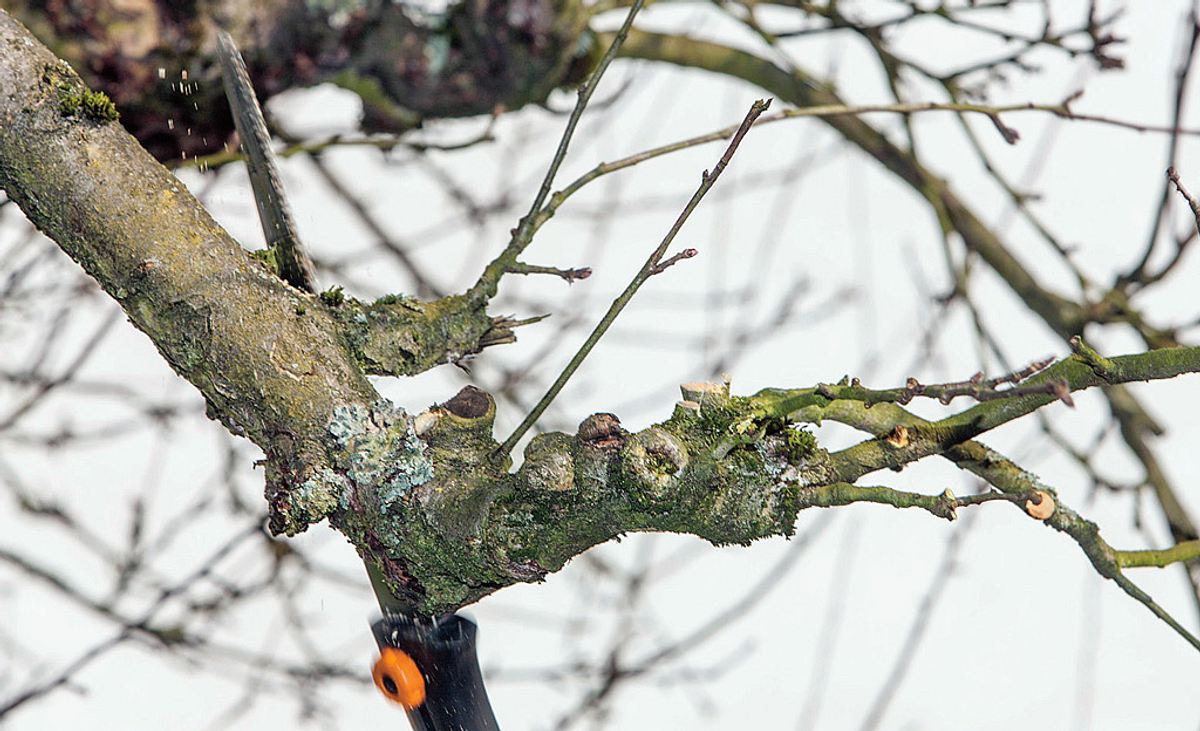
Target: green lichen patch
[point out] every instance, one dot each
(381, 456)
(315, 498)
(397, 335)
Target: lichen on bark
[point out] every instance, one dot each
(404, 336)
(375, 461)
(474, 527)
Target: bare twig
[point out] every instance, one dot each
(976, 387)
(1182, 73)
(1173, 176)
(648, 270)
(671, 261)
(383, 143)
(567, 275)
(1061, 110)
(523, 234)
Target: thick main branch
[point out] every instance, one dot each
(273, 363)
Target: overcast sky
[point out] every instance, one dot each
(1023, 635)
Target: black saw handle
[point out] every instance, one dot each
(443, 649)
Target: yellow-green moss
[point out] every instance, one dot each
(334, 296)
(266, 257)
(798, 445)
(95, 105)
(75, 99)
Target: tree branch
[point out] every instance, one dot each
(270, 360)
(1161, 558)
(438, 520)
(1063, 316)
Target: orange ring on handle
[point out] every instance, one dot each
(398, 678)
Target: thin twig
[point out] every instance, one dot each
(1061, 110)
(976, 387)
(1182, 73)
(649, 269)
(523, 234)
(672, 261)
(383, 143)
(567, 275)
(1173, 176)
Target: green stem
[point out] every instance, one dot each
(1161, 558)
(944, 505)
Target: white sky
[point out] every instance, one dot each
(1025, 636)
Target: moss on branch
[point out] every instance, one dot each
(271, 361)
(1008, 478)
(726, 468)
(924, 438)
(719, 473)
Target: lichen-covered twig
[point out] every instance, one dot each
(404, 336)
(935, 437)
(942, 505)
(1008, 478)
(977, 387)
